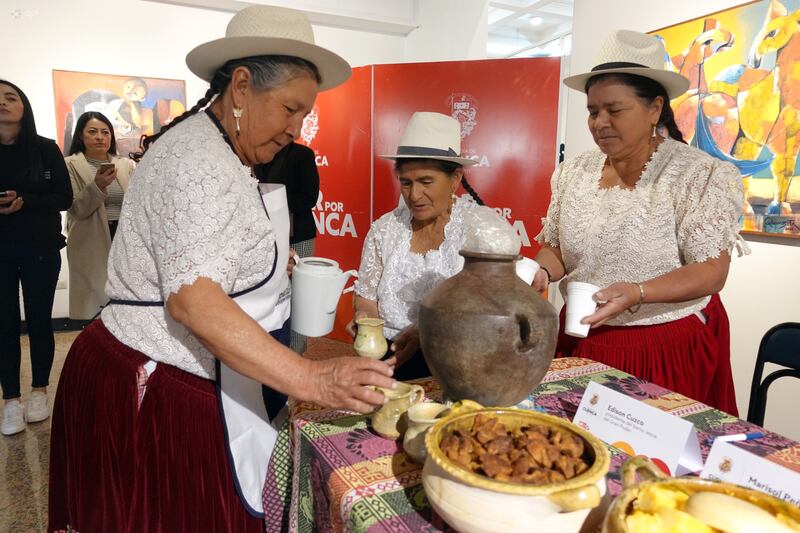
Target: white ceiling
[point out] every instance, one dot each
(511, 33)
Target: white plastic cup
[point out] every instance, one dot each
(579, 305)
(527, 269)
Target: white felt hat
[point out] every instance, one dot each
(268, 30)
(431, 136)
(631, 52)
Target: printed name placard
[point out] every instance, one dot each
(728, 462)
(640, 429)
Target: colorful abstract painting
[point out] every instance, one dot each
(743, 102)
(135, 106)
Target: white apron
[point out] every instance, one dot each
(249, 430)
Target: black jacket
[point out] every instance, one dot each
(37, 226)
(295, 167)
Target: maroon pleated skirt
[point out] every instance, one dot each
(685, 355)
(123, 462)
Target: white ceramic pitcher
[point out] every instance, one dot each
(317, 284)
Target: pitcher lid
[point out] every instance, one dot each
(319, 265)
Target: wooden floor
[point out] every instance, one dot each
(24, 457)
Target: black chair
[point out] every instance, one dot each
(781, 346)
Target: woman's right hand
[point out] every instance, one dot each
(104, 179)
(344, 383)
(351, 328)
(540, 281)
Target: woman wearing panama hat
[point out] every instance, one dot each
(409, 250)
(159, 423)
(650, 220)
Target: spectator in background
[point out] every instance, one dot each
(295, 167)
(34, 188)
(99, 178)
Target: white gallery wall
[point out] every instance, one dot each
(763, 289)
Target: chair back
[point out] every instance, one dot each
(781, 346)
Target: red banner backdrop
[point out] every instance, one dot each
(338, 130)
(508, 111)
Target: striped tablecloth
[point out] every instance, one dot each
(330, 472)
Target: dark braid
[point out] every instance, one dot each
(267, 72)
(648, 90)
(471, 191)
(448, 167)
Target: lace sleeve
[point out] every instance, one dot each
(708, 221)
(191, 223)
(549, 233)
(371, 268)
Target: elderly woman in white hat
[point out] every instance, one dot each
(409, 250)
(160, 423)
(652, 222)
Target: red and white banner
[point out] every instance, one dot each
(338, 129)
(508, 111)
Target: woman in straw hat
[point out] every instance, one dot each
(409, 250)
(650, 220)
(159, 423)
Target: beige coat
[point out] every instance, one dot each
(88, 238)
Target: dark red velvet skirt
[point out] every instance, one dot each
(123, 463)
(685, 355)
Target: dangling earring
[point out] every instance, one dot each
(655, 128)
(237, 114)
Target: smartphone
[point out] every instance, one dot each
(106, 167)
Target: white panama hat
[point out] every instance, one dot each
(268, 30)
(631, 52)
(431, 136)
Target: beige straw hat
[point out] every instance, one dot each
(631, 52)
(268, 30)
(431, 136)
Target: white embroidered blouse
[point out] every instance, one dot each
(397, 278)
(192, 210)
(684, 209)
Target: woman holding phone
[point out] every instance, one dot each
(36, 188)
(99, 178)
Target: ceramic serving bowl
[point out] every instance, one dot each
(473, 503)
(653, 478)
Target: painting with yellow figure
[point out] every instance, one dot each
(743, 101)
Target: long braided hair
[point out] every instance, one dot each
(448, 167)
(268, 72)
(647, 90)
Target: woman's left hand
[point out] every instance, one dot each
(405, 344)
(292, 261)
(612, 301)
(10, 203)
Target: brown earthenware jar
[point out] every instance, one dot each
(486, 335)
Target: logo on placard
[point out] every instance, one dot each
(464, 108)
(595, 398)
(310, 126)
(725, 465)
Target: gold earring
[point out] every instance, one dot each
(655, 128)
(237, 114)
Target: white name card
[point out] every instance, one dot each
(728, 462)
(640, 429)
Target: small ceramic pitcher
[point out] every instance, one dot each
(420, 418)
(370, 341)
(386, 420)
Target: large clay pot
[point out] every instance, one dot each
(487, 335)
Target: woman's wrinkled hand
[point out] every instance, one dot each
(540, 281)
(345, 383)
(10, 203)
(612, 301)
(405, 344)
